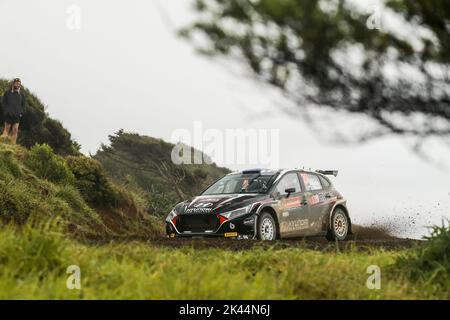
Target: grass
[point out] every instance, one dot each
(34, 259)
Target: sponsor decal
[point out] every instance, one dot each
(291, 202)
(203, 205)
(294, 225)
(198, 210)
(321, 197)
(315, 199)
(231, 234)
(303, 224)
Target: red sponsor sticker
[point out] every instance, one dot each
(314, 199)
(292, 202)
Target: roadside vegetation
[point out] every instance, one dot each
(430, 263)
(35, 257)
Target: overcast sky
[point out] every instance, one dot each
(125, 68)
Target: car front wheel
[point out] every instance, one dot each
(267, 229)
(339, 226)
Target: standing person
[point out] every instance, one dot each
(13, 108)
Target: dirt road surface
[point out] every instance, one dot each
(363, 238)
(319, 244)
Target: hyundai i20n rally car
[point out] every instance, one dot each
(264, 204)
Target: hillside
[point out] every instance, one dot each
(38, 185)
(45, 177)
(144, 164)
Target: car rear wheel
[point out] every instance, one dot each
(267, 229)
(339, 226)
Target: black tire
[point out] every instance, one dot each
(339, 226)
(267, 228)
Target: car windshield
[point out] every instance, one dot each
(241, 183)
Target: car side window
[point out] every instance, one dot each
(325, 183)
(290, 180)
(311, 181)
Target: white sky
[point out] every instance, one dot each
(125, 68)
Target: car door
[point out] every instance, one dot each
(293, 215)
(329, 197)
(316, 197)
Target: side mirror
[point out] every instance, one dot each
(289, 191)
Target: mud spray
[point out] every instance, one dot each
(413, 226)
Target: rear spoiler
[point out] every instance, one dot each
(328, 172)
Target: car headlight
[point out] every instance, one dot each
(236, 213)
(171, 215)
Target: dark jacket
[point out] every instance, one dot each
(13, 103)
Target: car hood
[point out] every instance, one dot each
(218, 203)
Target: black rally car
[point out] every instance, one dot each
(264, 204)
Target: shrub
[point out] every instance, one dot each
(92, 181)
(8, 164)
(17, 202)
(159, 204)
(430, 262)
(47, 165)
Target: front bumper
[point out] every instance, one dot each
(240, 226)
